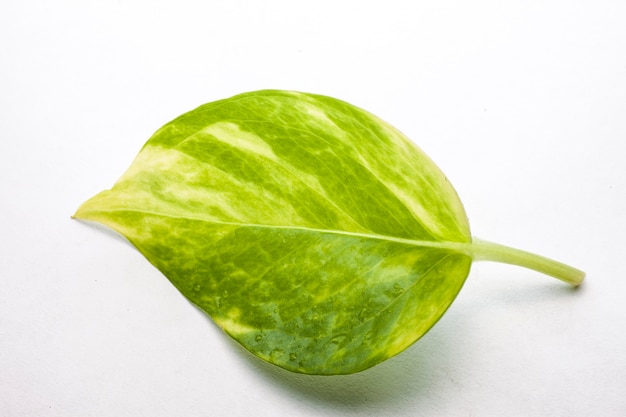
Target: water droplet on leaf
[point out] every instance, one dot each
(397, 290)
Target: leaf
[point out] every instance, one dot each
(314, 233)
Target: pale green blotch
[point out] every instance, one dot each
(232, 135)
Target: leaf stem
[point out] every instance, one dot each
(482, 250)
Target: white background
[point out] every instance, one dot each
(521, 103)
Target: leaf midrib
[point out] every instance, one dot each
(459, 247)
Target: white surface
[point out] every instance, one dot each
(521, 103)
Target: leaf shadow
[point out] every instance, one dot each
(409, 375)
(389, 383)
(412, 378)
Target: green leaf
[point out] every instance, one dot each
(314, 233)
